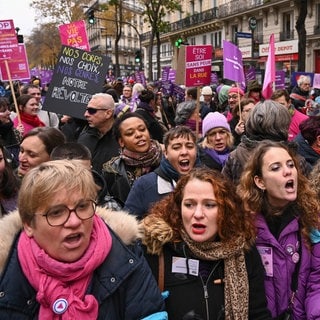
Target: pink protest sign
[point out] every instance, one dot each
(8, 39)
(198, 65)
(18, 65)
(74, 35)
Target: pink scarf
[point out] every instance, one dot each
(67, 282)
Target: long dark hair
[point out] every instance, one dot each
(9, 183)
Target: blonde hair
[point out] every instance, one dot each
(230, 141)
(43, 182)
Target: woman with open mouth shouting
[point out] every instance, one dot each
(286, 211)
(199, 246)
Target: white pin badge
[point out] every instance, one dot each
(60, 306)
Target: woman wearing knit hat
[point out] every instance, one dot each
(217, 141)
(188, 115)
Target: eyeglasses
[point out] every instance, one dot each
(59, 215)
(94, 110)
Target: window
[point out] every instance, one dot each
(318, 14)
(192, 41)
(234, 30)
(192, 7)
(215, 39)
(287, 26)
(258, 32)
(317, 21)
(204, 39)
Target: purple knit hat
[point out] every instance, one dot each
(214, 120)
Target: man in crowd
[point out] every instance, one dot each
(282, 96)
(97, 136)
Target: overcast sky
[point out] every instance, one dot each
(20, 12)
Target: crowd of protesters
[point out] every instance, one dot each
(220, 190)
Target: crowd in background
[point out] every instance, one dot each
(224, 188)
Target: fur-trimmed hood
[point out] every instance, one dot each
(126, 226)
(157, 232)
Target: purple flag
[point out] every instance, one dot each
(232, 63)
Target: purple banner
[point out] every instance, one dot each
(214, 78)
(280, 80)
(165, 73)
(44, 75)
(179, 93)
(172, 75)
(232, 63)
(167, 88)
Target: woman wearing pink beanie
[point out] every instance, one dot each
(217, 141)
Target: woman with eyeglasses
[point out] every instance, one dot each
(63, 261)
(217, 142)
(139, 155)
(301, 92)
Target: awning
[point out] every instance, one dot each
(282, 57)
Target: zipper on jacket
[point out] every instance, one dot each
(204, 285)
(205, 288)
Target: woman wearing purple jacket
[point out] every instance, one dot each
(286, 211)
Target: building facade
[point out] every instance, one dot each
(212, 21)
(102, 35)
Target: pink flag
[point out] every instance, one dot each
(270, 74)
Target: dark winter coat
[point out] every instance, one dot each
(147, 190)
(298, 97)
(187, 293)
(123, 284)
(306, 151)
(102, 148)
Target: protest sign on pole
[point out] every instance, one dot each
(194, 67)
(232, 63)
(18, 65)
(8, 45)
(74, 34)
(8, 39)
(76, 77)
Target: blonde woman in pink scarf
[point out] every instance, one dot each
(61, 259)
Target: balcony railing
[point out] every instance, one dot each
(195, 19)
(238, 6)
(287, 35)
